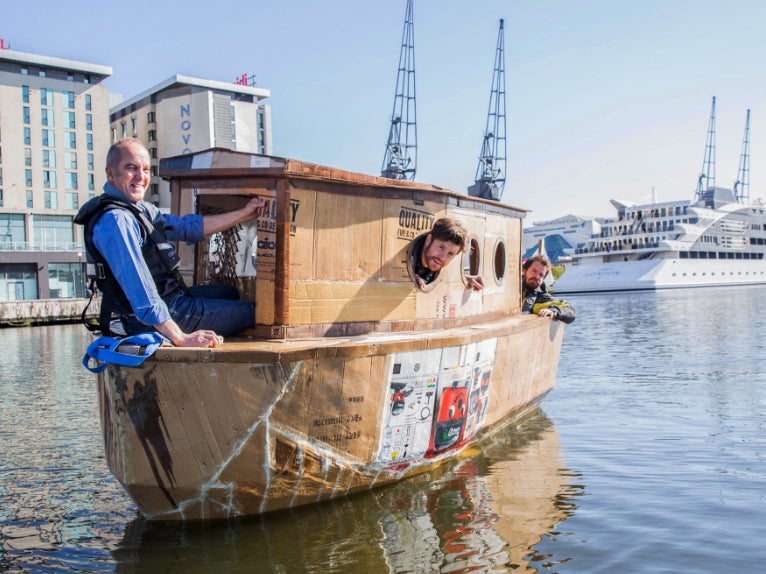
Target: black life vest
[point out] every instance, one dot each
(159, 254)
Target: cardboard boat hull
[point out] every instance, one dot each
(257, 427)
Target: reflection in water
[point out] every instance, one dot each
(660, 401)
(59, 505)
(61, 509)
(484, 512)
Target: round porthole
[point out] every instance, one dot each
(471, 259)
(500, 261)
(414, 251)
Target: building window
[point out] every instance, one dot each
(68, 120)
(89, 122)
(124, 130)
(66, 280)
(133, 127)
(91, 182)
(233, 128)
(89, 141)
(49, 158)
(42, 73)
(28, 177)
(261, 131)
(70, 141)
(67, 99)
(70, 160)
(29, 198)
(49, 138)
(87, 102)
(150, 117)
(1, 197)
(18, 281)
(26, 114)
(46, 97)
(27, 136)
(49, 179)
(114, 135)
(152, 135)
(90, 161)
(70, 77)
(86, 79)
(46, 117)
(70, 180)
(72, 200)
(51, 200)
(53, 232)
(25, 94)
(153, 153)
(27, 156)
(24, 71)
(12, 229)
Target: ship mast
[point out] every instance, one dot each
(742, 185)
(400, 159)
(708, 164)
(490, 173)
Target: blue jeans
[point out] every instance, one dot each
(213, 307)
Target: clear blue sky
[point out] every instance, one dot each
(604, 98)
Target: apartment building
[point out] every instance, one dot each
(56, 127)
(54, 134)
(184, 114)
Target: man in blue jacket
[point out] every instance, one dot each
(129, 240)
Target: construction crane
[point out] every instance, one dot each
(490, 173)
(708, 163)
(742, 185)
(400, 159)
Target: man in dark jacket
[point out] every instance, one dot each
(535, 297)
(131, 240)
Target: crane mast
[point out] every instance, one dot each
(708, 163)
(490, 173)
(742, 185)
(400, 159)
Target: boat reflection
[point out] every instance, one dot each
(487, 511)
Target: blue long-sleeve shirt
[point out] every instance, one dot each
(118, 237)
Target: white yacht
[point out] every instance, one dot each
(716, 239)
(712, 241)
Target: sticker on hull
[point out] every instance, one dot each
(436, 401)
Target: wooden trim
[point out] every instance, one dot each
(282, 256)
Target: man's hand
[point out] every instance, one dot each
(200, 339)
(256, 207)
(222, 221)
(475, 282)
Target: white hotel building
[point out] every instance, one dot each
(56, 127)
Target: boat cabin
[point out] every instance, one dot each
(332, 255)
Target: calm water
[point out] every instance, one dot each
(648, 457)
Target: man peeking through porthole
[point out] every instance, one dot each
(433, 251)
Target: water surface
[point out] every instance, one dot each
(648, 456)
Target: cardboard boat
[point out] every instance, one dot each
(352, 377)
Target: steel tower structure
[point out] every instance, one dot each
(742, 185)
(400, 159)
(708, 163)
(490, 173)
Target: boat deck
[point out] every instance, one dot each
(244, 350)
